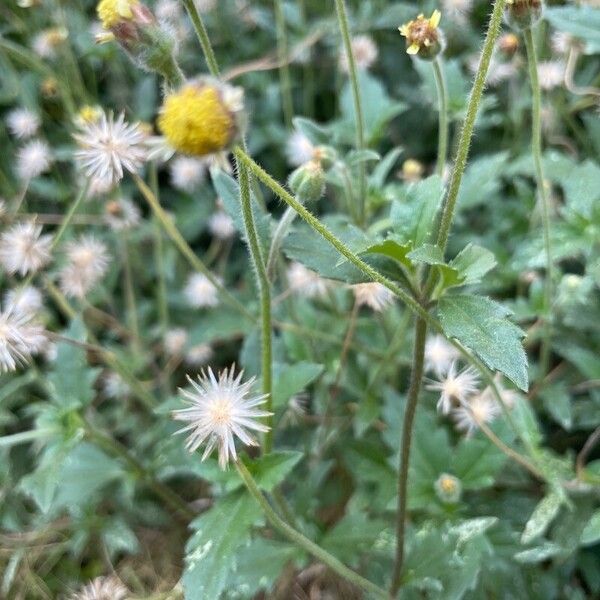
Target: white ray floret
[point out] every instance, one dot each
(439, 355)
(454, 387)
(372, 294)
(22, 123)
(23, 249)
(33, 159)
(20, 338)
(221, 410)
(481, 408)
(109, 147)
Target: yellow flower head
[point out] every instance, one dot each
(112, 12)
(200, 118)
(423, 36)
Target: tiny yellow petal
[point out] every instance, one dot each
(412, 49)
(403, 30)
(434, 21)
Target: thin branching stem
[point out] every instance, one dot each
(340, 7)
(262, 282)
(303, 542)
(536, 149)
(203, 38)
(285, 83)
(440, 82)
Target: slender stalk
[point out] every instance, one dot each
(303, 542)
(23, 437)
(176, 237)
(203, 38)
(340, 7)
(285, 82)
(536, 149)
(462, 153)
(262, 281)
(161, 288)
(70, 214)
(407, 429)
(440, 83)
(129, 292)
(117, 449)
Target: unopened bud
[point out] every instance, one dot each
(522, 14)
(308, 181)
(137, 30)
(508, 43)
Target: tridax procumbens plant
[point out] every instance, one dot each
(300, 300)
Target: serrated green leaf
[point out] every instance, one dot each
(481, 325)
(211, 552)
(428, 254)
(472, 263)
(413, 213)
(270, 470)
(591, 532)
(292, 379)
(392, 249)
(538, 554)
(85, 470)
(541, 518)
(72, 386)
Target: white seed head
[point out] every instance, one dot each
(221, 225)
(199, 355)
(22, 123)
(33, 159)
(102, 588)
(439, 355)
(87, 262)
(365, 53)
(167, 10)
(114, 386)
(372, 294)
(20, 338)
(306, 283)
(23, 249)
(454, 387)
(457, 10)
(175, 341)
(200, 292)
(109, 146)
(551, 74)
(122, 214)
(299, 149)
(187, 173)
(481, 408)
(27, 300)
(219, 410)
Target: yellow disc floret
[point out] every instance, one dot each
(195, 120)
(112, 12)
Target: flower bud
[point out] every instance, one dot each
(138, 32)
(508, 43)
(448, 488)
(423, 36)
(522, 14)
(412, 170)
(308, 181)
(202, 117)
(326, 156)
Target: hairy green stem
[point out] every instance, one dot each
(70, 214)
(303, 542)
(442, 91)
(130, 301)
(536, 149)
(462, 153)
(203, 38)
(340, 7)
(176, 237)
(407, 430)
(262, 281)
(285, 82)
